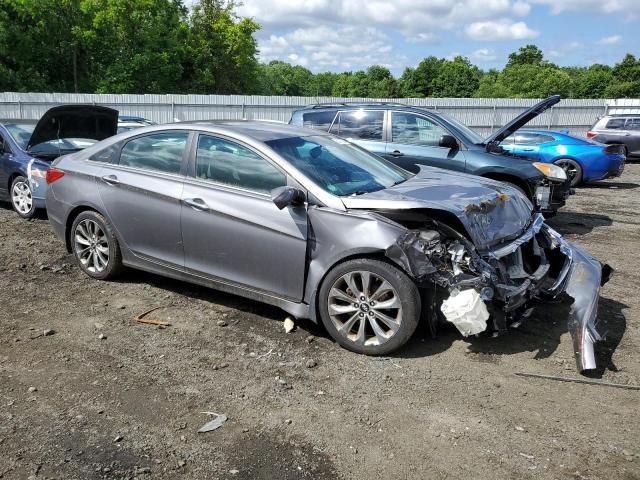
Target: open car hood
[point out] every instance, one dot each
(491, 212)
(75, 121)
(522, 119)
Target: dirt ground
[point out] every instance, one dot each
(101, 396)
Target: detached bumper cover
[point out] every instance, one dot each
(581, 279)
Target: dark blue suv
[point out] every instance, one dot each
(412, 136)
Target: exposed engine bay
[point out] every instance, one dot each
(502, 284)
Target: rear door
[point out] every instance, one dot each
(633, 139)
(232, 230)
(362, 127)
(415, 140)
(141, 192)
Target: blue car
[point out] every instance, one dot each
(27, 148)
(584, 160)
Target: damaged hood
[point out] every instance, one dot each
(89, 122)
(491, 211)
(522, 119)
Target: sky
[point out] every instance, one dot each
(341, 35)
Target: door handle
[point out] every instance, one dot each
(110, 180)
(528, 149)
(196, 203)
(396, 153)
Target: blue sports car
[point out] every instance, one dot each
(584, 160)
(27, 148)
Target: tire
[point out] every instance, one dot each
(366, 326)
(572, 168)
(95, 246)
(22, 197)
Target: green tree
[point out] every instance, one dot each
(281, 78)
(625, 79)
(222, 51)
(418, 82)
(456, 78)
(527, 55)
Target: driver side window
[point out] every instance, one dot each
(410, 129)
(230, 163)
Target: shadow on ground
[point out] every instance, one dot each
(570, 223)
(610, 185)
(540, 334)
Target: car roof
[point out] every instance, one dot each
(263, 131)
(318, 107)
(539, 132)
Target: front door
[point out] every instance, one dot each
(141, 193)
(232, 230)
(415, 141)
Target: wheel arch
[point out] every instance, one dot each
(73, 214)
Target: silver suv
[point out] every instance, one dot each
(618, 129)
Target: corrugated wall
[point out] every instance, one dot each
(482, 114)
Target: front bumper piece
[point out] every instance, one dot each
(581, 278)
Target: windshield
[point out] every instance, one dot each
(21, 132)
(471, 134)
(338, 166)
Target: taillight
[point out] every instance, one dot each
(592, 134)
(54, 174)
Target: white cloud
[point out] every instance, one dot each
(592, 6)
(503, 29)
(323, 47)
(411, 17)
(612, 40)
(486, 55)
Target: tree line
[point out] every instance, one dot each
(160, 46)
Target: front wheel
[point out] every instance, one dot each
(369, 306)
(22, 197)
(572, 169)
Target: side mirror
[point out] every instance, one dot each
(4, 148)
(448, 141)
(285, 196)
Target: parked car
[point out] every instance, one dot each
(27, 148)
(583, 160)
(320, 227)
(129, 122)
(412, 136)
(618, 130)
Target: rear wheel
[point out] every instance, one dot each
(95, 246)
(572, 169)
(369, 306)
(22, 197)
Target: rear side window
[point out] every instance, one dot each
(616, 123)
(532, 138)
(633, 124)
(107, 155)
(230, 163)
(318, 120)
(359, 125)
(160, 152)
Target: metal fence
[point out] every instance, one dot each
(482, 114)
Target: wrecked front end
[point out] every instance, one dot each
(504, 283)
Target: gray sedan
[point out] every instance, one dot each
(321, 228)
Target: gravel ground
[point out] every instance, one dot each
(86, 392)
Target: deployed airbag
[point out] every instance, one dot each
(467, 312)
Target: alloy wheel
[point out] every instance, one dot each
(365, 308)
(91, 246)
(571, 169)
(21, 197)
